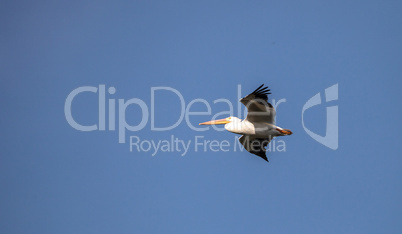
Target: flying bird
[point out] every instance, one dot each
(259, 127)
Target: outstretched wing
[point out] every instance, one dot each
(255, 145)
(259, 109)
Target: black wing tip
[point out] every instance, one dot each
(263, 157)
(262, 89)
(262, 92)
(261, 154)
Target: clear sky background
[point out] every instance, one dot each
(55, 179)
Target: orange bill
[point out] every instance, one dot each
(219, 121)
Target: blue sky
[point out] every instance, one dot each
(56, 179)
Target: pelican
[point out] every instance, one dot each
(259, 127)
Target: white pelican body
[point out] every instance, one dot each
(258, 128)
(245, 127)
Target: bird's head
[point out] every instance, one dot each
(232, 124)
